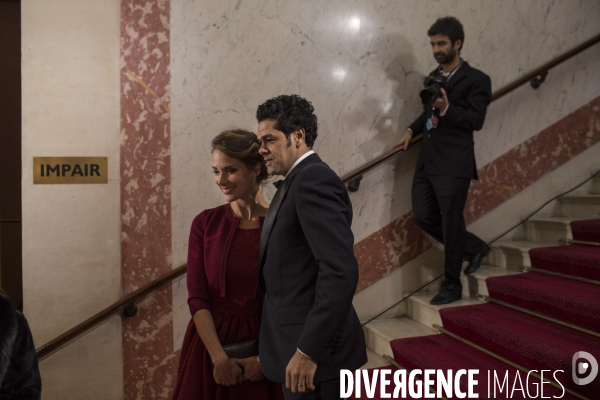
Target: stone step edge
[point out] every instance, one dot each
(475, 283)
(514, 248)
(426, 314)
(379, 333)
(583, 198)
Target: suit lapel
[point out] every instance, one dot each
(460, 73)
(276, 203)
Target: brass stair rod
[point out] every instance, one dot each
(583, 242)
(558, 274)
(538, 315)
(506, 361)
(398, 366)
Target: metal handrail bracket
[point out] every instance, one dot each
(125, 306)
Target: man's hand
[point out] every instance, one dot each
(441, 102)
(404, 140)
(299, 373)
(251, 368)
(228, 373)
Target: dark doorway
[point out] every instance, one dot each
(11, 271)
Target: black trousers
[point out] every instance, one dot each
(438, 206)
(328, 390)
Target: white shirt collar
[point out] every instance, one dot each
(298, 161)
(450, 74)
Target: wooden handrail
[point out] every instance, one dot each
(545, 68)
(108, 312)
(357, 173)
(134, 297)
(377, 161)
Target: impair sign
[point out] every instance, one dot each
(53, 170)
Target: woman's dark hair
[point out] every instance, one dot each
(290, 112)
(244, 146)
(448, 26)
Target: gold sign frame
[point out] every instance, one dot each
(70, 170)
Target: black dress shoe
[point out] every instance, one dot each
(445, 297)
(475, 262)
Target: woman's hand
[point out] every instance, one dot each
(251, 368)
(228, 373)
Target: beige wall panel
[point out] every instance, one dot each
(71, 233)
(85, 369)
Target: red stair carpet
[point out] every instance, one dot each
(587, 230)
(569, 301)
(576, 260)
(529, 341)
(445, 353)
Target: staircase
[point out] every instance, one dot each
(529, 341)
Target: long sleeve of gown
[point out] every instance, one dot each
(197, 283)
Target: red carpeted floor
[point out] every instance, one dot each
(529, 341)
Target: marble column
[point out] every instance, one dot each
(149, 363)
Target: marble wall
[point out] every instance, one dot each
(361, 64)
(71, 233)
(149, 363)
(148, 83)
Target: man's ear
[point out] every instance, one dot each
(299, 137)
(457, 44)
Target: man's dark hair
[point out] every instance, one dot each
(290, 112)
(448, 26)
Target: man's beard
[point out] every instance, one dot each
(445, 58)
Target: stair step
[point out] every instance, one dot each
(474, 284)
(580, 205)
(586, 229)
(424, 313)
(548, 229)
(526, 340)
(375, 360)
(596, 185)
(566, 300)
(577, 260)
(513, 254)
(379, 333)
(442, 352)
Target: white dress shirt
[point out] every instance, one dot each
(298, 161)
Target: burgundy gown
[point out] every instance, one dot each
(237, 319)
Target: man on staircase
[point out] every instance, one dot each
(455, 99)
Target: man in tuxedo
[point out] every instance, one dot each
(307, 269)
(446, 162)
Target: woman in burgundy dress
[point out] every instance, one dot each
(222, 278)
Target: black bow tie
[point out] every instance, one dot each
(278, 183)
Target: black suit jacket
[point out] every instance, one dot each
(448, 149)
(309, 274)
(19, 371)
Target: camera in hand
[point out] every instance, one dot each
(433, 89)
